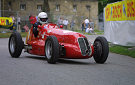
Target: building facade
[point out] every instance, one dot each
(0, 8)
(69, 9)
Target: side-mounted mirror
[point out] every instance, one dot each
(32, 19)
(61, 26)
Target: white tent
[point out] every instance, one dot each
(119, 27)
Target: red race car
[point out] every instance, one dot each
(54, 43)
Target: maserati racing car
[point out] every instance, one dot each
(54, 43)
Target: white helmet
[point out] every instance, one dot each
(42, 16)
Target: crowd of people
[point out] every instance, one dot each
(65, 22)
(88, 26)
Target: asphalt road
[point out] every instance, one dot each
(34, 70)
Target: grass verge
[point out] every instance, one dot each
(123, 50)
(7, 35)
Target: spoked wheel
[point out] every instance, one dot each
(48, 49)
(15, 45)
(101, 50)
(12, 45)
(52, 49)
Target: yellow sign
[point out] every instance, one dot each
(120, 11)
(6, 21)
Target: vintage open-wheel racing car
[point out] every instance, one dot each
(54, 43)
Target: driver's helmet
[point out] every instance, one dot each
(43, 18)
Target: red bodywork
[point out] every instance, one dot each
(66, 38)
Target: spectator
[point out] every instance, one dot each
(83, 26)
(91, 24)
(72, 25)
(13, 20)
(86, 23)
(26, 28)
(89, 30)
(19, 23)
(65, 23)
(60, 21)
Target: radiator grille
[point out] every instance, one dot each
(84, 46)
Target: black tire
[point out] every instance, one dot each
(52, 49)
(15, 45)
(101, 50)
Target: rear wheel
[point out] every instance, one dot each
(52, 49)
(101, 50)
(15, 45)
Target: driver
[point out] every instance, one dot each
(42, 19)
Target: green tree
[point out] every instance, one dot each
(46, 6)
(46, 9)
(103, 3)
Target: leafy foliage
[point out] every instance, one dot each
(46, 6)
(103, 3)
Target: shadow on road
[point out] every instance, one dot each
(36, 57)
(64, 61)
(75, 62)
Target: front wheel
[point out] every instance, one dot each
(52, 49)
(15, 45)
(101, 50)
